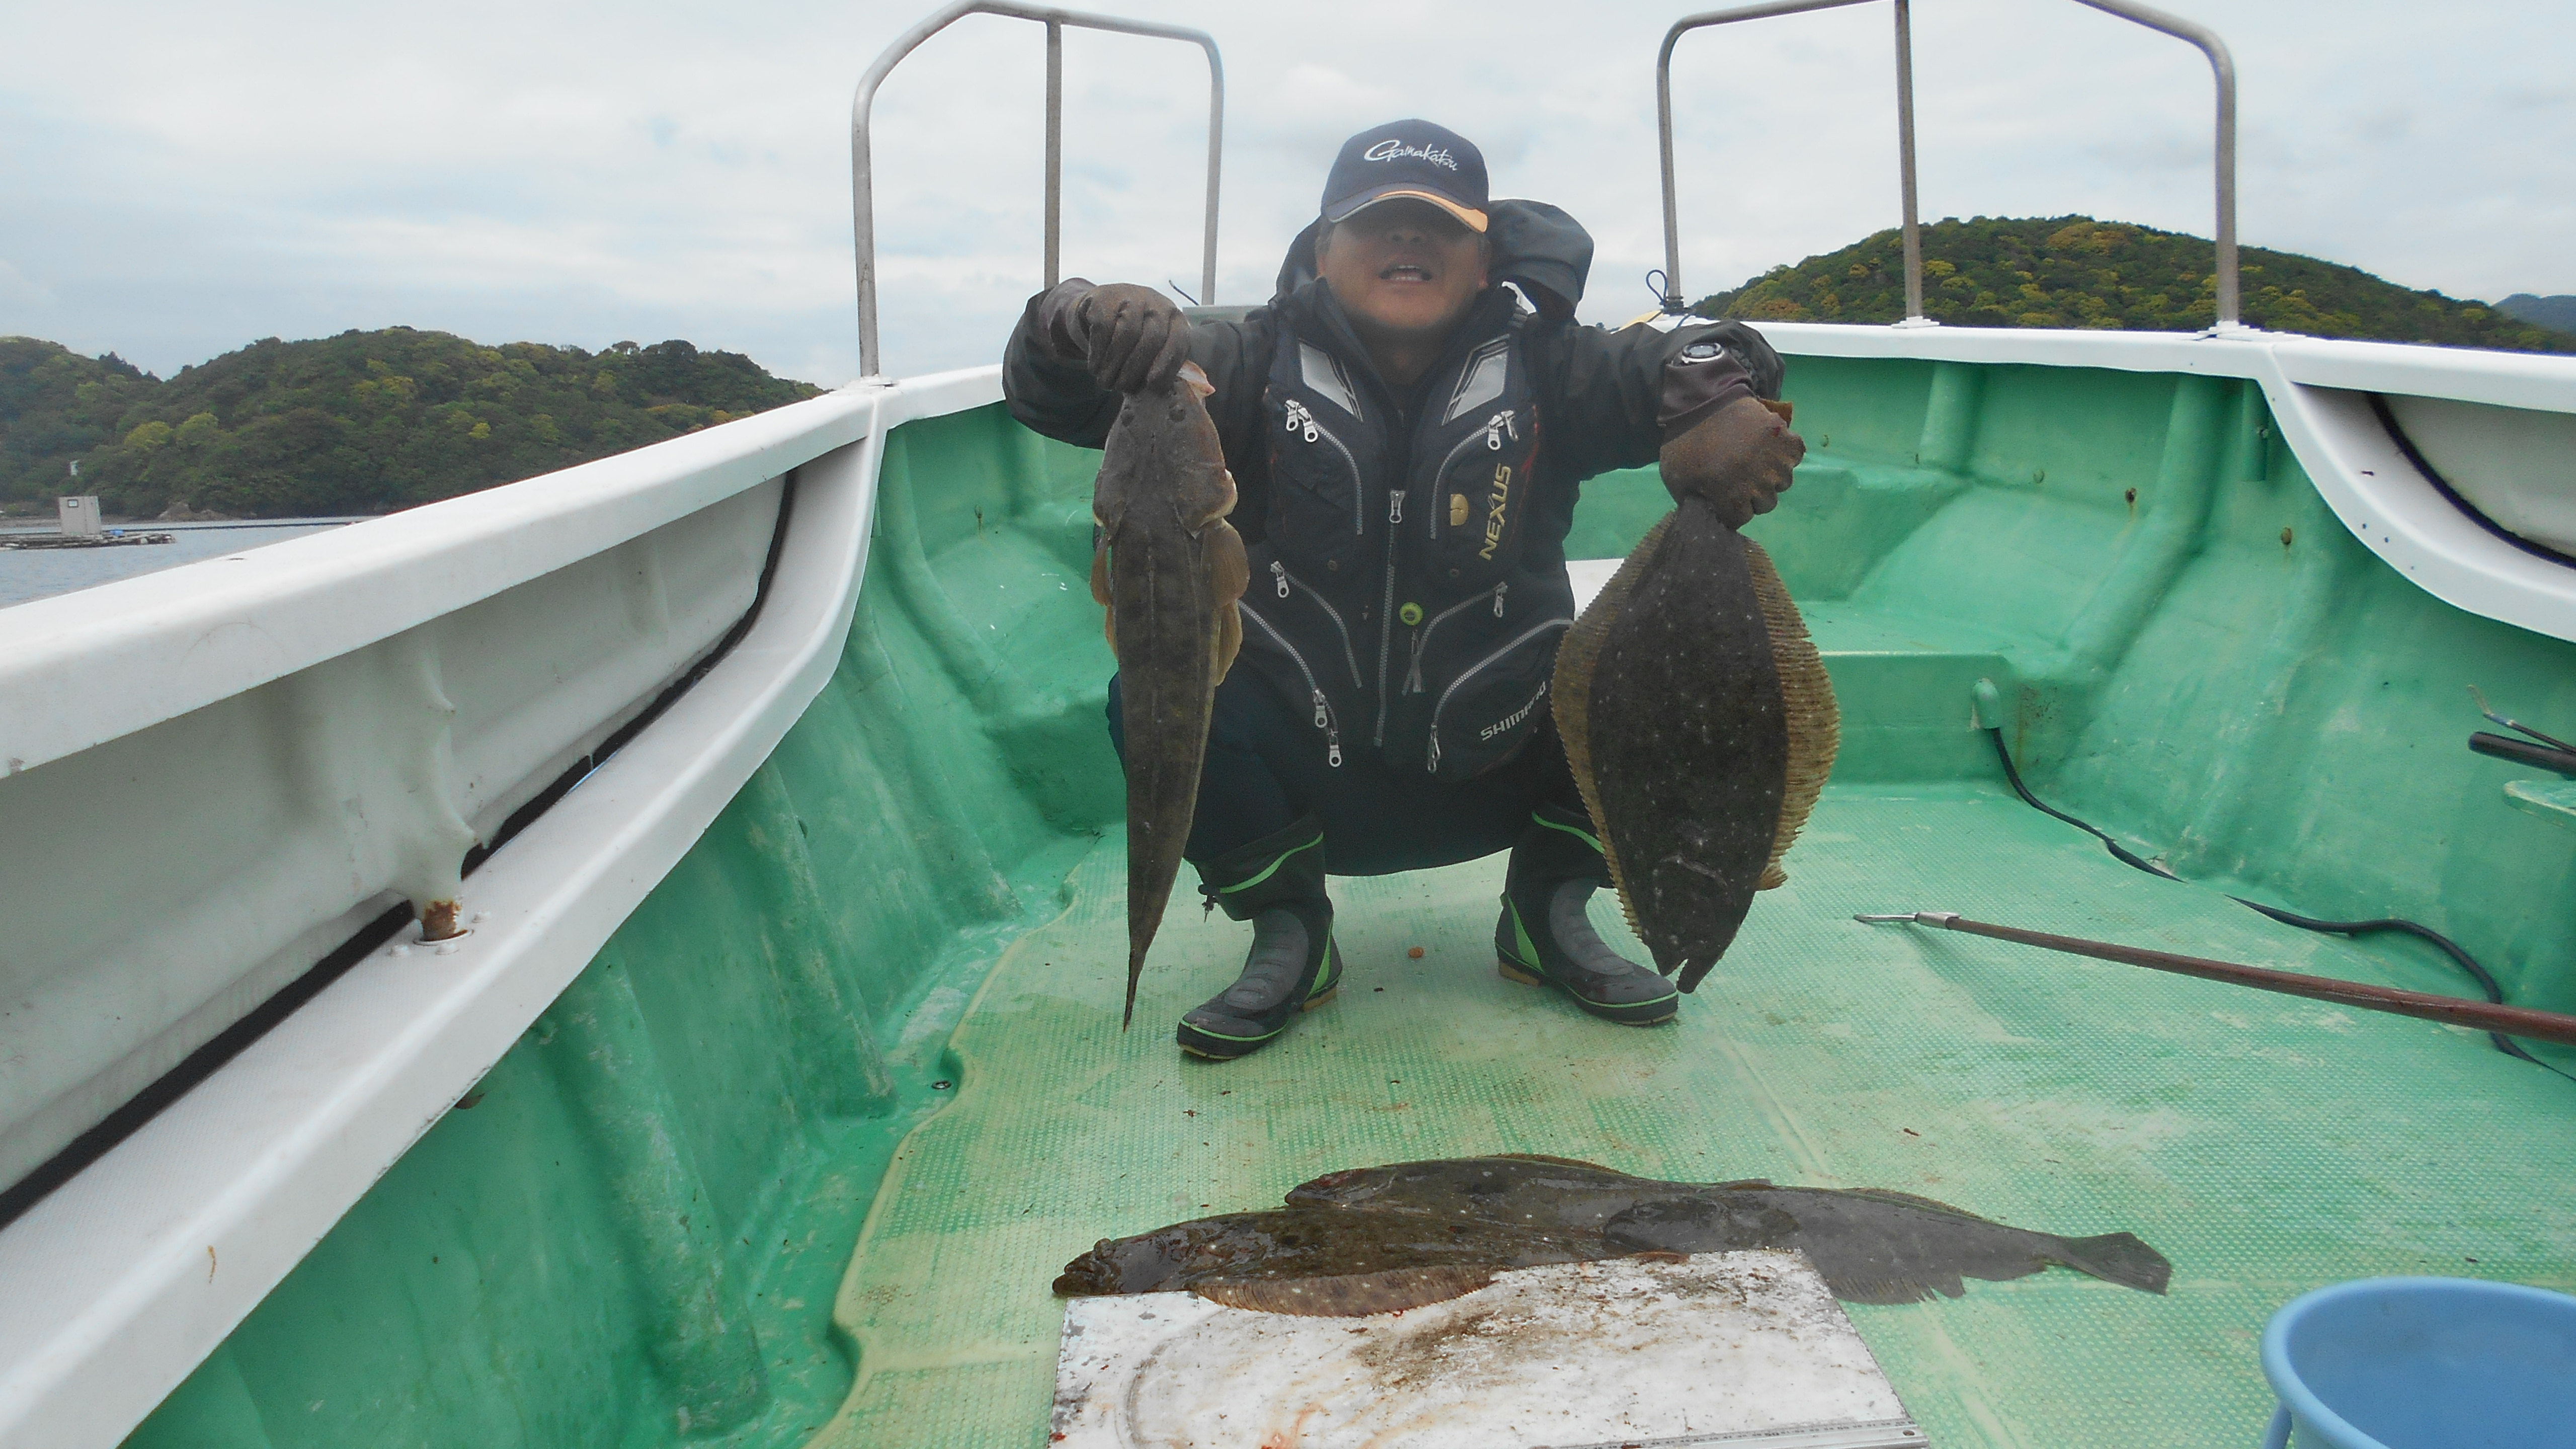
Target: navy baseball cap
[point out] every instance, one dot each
(1408, 158)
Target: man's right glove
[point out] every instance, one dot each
(1131, 337)
(1739, 458)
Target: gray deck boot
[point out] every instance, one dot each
(1276, 883)
(1545, 939)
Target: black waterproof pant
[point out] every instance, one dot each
(1267, 768)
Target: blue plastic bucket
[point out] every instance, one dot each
(2424, 1363)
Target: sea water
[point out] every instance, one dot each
(29, 573)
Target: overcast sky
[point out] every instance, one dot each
(182, 179)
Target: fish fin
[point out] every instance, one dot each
(1228, 572)
(1807, 699)
(1562, 1162)
(1348, 1295)
(2122, 1258)
(1570, 689)
(1907, 1199)
(1100, 595)
(1135, 971)
(1196, 381)
(1888, 1291)
(1745, 1182)
(1229, 642)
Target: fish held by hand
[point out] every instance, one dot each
(1699, 725)
(1169, 568)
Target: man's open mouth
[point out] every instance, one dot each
(1405, 272)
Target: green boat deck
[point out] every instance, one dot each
(2267, 1145)
(796, 1159)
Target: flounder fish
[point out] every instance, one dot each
(1320, 1262)
(1169, 568)
(1700, 727)
(1871, 1245)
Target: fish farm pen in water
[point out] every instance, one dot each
(760, 1069)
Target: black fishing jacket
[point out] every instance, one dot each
(1408, 545)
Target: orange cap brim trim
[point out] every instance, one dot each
(1474, 219)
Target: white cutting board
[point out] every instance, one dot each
(1719, 1349)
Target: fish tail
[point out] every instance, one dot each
(2121, 1258)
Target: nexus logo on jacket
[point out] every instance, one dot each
(1501, 497)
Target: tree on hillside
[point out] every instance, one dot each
(2074, 271)
(365, 422)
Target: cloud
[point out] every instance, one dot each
(658, 169)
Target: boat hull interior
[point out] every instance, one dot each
(797, 1156)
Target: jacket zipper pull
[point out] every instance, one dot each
(1279, 571)
(1395, 506)
(1496, 426)
(1332, 736)
(1434, 766)
(1322, 714)
(1499, 591)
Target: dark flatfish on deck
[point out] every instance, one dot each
(1879, 1247)
(1871, 1245)
(1319, 1261)
(1170, 568)
(1700, 726)
(1546, 1194)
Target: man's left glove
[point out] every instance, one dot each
(1131, 337)
(1739, 458)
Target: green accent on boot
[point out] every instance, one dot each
(1328, 980)
(1267, 871)
(1526, 957)
(1579, 833)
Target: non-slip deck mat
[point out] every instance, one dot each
(2267, 1145)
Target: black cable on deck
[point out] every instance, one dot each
(2484, 978)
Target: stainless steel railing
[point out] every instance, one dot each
(862, 188)
(2222, 69)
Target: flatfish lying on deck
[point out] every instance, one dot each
(1320, 1262)
(1700, 726)
(1871, 1245)
(1380, 1239)
(1170, 568)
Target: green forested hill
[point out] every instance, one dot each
(365, 422)
(2073, 271)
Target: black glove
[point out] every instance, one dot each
(1132, 337)
(1739, 457)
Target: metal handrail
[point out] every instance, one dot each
(2222, 67)
(862, 187)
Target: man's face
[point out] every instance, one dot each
(1405, 270)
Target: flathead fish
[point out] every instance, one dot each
(1700, 727)
(1169, 568)
(1871, 1245)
